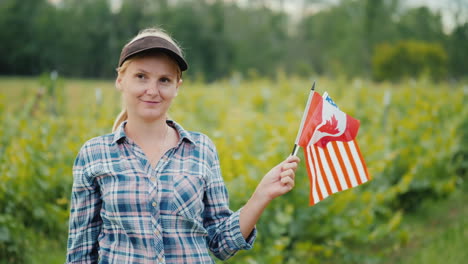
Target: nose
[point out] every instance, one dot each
(152, 89)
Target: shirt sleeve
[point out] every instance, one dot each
(85, 220)
(224, 234)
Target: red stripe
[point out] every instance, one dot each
(353, 164)
(309, 172)
(314, 183)
(342, 165)
(317, 186)
(322, 171)
(333, 171)
(362, 159)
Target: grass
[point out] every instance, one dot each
(438, 232)
(49, 251)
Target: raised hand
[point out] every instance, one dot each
(278, 180)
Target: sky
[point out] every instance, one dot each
(445, 7)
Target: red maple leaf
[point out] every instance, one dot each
(330, 127)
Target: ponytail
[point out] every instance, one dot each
(123, 114)
(120, 118)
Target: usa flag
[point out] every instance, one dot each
(328, 138)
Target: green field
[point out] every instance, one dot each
(413, 135)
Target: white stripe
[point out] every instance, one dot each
(327, 170)
(320, 181)
(314, 176)
(336, 164)
(349, 167)
(358, 161)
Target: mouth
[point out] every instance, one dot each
(150, 102)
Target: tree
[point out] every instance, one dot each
(458, 51)
(421, 24)
(378, 26)
(18, 33)
(331, 40)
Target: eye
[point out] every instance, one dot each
(140, 76)
(165, 80)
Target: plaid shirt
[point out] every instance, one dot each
(123, 210)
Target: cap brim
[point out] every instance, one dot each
(149, 43)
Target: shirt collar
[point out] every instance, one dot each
(119, 133)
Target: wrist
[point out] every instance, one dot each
(261, 198)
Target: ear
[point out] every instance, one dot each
(118, 83)
(179, 83)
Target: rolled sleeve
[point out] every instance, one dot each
(225, 238)
(235, 232)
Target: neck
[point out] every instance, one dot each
(150, 132)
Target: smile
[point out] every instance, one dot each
(150, 102)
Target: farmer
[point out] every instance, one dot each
(151, 191)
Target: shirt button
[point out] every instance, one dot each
(154, 204)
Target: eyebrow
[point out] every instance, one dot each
(147, 72)
(141, 70)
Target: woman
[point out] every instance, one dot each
(152, 192)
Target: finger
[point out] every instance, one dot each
(288, 173)
(288, 166)
(289, 160)
(292, 159)
(287, 181)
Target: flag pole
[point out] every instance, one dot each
(296, 146)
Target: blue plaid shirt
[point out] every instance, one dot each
(123, 210)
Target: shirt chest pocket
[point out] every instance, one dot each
(187, 200)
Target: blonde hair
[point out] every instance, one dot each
(155, 32)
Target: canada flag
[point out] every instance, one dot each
(325, 122)
(333, 124)
(328, 137)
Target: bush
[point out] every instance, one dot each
(409, 59)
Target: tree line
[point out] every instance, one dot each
(353, 38)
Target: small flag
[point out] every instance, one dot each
(328, 137)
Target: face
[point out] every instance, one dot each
(148, 86)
